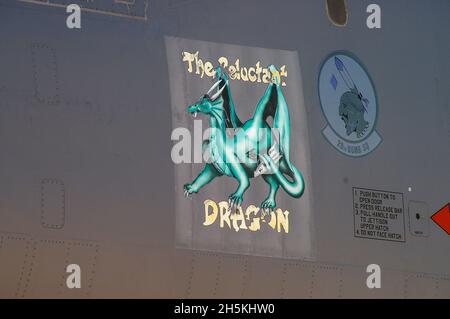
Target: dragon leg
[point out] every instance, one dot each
(206, 176)
(238, 172)
(269, 202)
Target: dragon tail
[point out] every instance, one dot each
(294, 188)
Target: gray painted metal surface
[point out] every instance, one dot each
(86, 175)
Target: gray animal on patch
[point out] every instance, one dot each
(351, 111)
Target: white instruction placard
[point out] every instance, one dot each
(379, 215)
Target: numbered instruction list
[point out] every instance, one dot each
(378, 215)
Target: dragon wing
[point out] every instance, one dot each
(232, 120)
(273, 104)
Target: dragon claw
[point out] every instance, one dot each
(188, 191)
(268, 204)
(235, 202)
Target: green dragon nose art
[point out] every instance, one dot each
(247, 154)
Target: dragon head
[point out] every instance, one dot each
(206, 103)
(203, 105)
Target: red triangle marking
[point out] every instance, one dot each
(442, 218)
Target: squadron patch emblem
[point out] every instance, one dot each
(349, 103)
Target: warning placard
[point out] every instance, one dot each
(378, 215)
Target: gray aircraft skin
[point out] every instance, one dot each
(86, 175)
